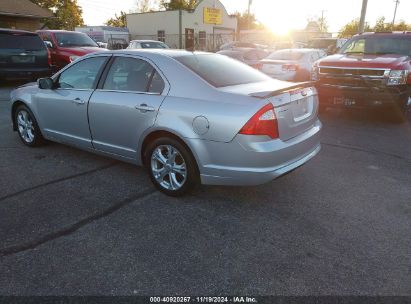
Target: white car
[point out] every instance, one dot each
(291, 64)
(147, 44)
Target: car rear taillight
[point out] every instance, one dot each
(258, 66)
(290, 67)
(49, 57)
(263, 122)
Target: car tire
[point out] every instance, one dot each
(172, 168)
(27, 127)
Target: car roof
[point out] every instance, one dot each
(153, 53)
(300, 50)
(59, 31)
(146, 41)
(396, 33)
(6, 30)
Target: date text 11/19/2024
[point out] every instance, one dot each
(239, 299)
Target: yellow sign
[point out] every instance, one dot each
(212, 16)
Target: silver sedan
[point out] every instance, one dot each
(190, 118)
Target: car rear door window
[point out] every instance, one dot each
(131, 74)
(82, 75)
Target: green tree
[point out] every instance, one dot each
(178, 4)
(48, 4)
(119, 21)
(381, 25)
(351, 28)
(402, 26)
(67, 13)
(247, 21)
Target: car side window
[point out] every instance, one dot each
(157, 84)
(47, 37)
(129, 74)
(81, 75)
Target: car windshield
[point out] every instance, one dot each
(21, 41)
(378, 45)
(74, 39)
(321, 43)
(153, 45)
(286, 55)
(221, 71)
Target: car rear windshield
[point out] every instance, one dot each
(378, 45)
(74, 39)
(286, 55)
(221, 71)
(21, 41)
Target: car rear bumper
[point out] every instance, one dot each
(26, 73)
(252, 160)
(362, 97)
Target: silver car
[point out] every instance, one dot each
(188, 117)
(291, 64)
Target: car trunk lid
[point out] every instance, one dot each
(275, 66)
(295, 104)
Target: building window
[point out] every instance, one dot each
(202, 37)
(161, 36)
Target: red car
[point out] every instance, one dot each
(370, 70)
(67, 46)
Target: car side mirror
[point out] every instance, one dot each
(45, 83)
(48, 44)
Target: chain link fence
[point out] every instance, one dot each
(200, 42)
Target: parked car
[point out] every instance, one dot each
(250, 56)
(371, 70)
(291, 64)
(67, 46)
(189, 117)
(239, 44)
(147, 44)
(117, 44)
(329, 45)
(23, 55)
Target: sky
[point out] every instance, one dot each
(280, 16)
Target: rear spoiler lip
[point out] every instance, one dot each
(268, 94)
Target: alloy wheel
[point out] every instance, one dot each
(168, 167)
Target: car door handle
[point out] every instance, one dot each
(145, 108)
(78, 101)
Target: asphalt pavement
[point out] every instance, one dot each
(74, 223)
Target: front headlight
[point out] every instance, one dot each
(74, 58)
(397, 77)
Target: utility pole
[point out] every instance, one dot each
(362, 19)
(395, 12)
(248, 14)
(322, 23)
